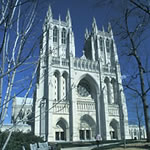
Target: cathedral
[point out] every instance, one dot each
(78, 98)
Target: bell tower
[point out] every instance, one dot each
(58, 37)
(100, 45)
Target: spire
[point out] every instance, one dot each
(68, 18)
(109, 28)
(94, 26)
(86, 34)
(103, 29)
(59, 18)
(83, 56)
(49, 14)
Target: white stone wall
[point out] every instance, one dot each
(84, 96)
(134, 132)
(21, 109)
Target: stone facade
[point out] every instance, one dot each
(136, 133)
(21, 115)
(21, 110)
(78, 98)
(25, 128)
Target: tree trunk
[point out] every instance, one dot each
(146, 116)
(143, 96)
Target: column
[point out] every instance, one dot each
(98, 48)
(60, 87)
(105, 52)
(74, 135)
(98, 114)
(67, 88)
(84, 134)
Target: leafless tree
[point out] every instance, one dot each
(135, 108)
(17, 47)
(131, 27)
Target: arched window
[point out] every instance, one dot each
(107, 45)
(65, 86)
(107, 82)
(61, 132)
(57, 86)
(114, 86)
(114, 129)
(101, 43)
(55, 34)
(83, 88)
(63, 36)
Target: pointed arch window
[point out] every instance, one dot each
(114, 88)
(63, 36)
(55, 34)
(107, 45)
(107, 82)
(57, 85)
(65, 86)
(101, 44)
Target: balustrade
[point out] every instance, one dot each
(61, 108)
(86, 106)
(82, 64)
(113, 111)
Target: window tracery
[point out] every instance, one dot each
(55, 34)
(101, 43)
(107, 45)
(63, 36)
(83, 89)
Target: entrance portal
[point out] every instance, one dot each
(61, 130)
(87, 128)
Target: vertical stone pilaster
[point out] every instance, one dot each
(59, 41)
(72, 103)
(105, 51)
(98, 117)
(50, 100)
(93, 49)
(60, 87)
(98, 47)
(124, 128)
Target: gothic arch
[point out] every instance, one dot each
(114, 89)
(108, 45)
(64, 121)
(65, 85)
(61, 132)
(101, 42)
(63, 36)
(56, 84)
(87, 129)
(57, 71)
(88, 119)
(91, 81)
(55, 34)
(114, 129)
(107, 82)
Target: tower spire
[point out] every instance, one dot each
(49, 15)
(59, 18)
(110, 29)
(103, 29)
(68, 18)
(94, 26)
(86, 34)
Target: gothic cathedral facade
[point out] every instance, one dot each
(78, 98)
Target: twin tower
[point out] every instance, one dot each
(78, 98)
